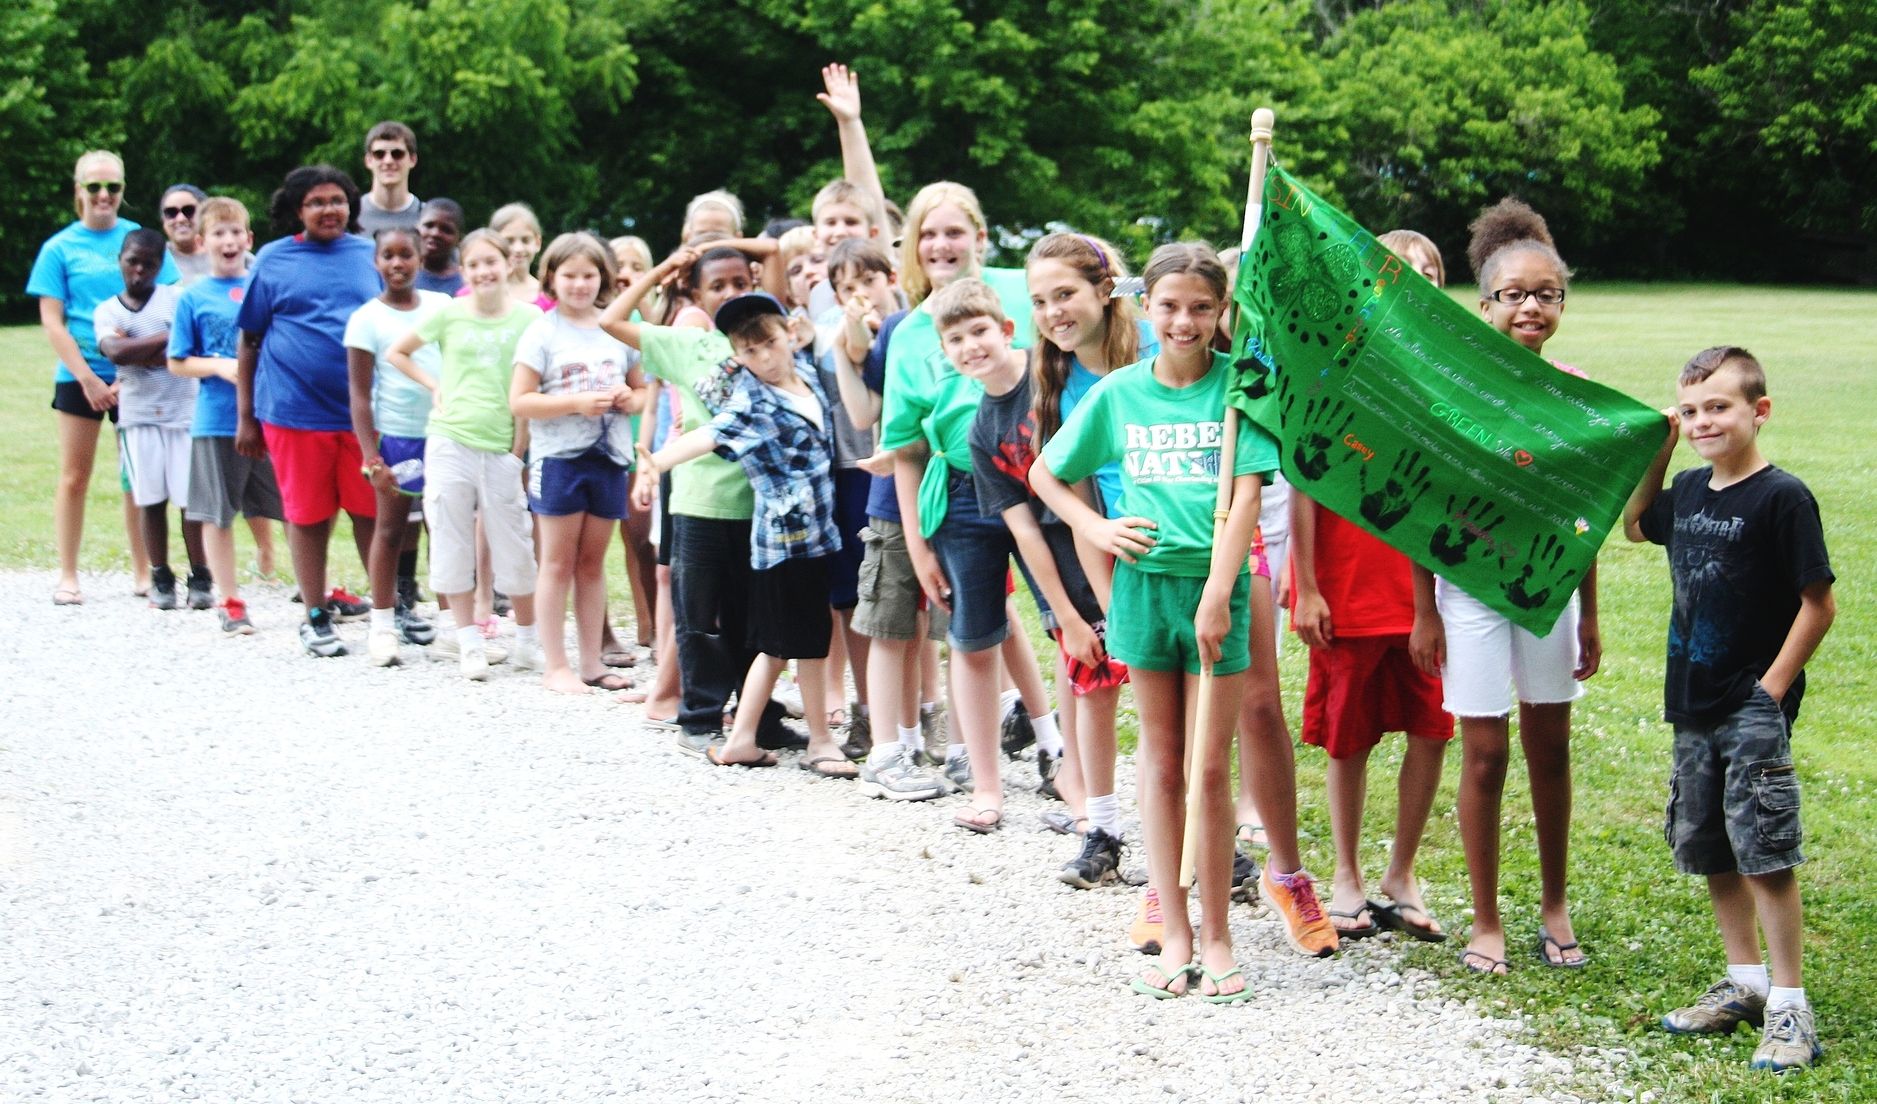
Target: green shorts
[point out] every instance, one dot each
(1150, 622)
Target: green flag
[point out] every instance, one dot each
(1404, 412)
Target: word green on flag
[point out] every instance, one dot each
(1404, 412)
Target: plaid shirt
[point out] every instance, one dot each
(788, 460)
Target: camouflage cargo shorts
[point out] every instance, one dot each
(1733, 800)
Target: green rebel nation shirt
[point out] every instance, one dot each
(699, 365)
(1167, 440)
(926, 399)
(478, 357)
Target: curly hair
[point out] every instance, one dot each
(284, 208)
(1503, 230)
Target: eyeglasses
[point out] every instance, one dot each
(187, 210)
(96, 186)
(394, 153)
(1512, 297)
(322, 204)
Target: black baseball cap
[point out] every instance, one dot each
(741, 309)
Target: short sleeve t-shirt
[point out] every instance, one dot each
(699, 366)
(447, 285)
(148, 396)
(300, 296)
(1167, 440)
(882, 498)
(205, 327)
(78, 267)
(400, 406)
(572, 359)
(1739, 558)
(1075, 386)
(1368, 586)
(478, 357)
(373, 218)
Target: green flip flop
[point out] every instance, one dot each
(1218, 983)
(1171, 975)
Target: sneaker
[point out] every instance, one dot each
(1098, 864)
(382, 647)
(1148, 927)
(1294, 897)
(691, 743)
(408, 594)
(788, 695)
(502, 606)
(319, 638)
(444, 647)
(1047, 766)
(1245, 878)
(473, 663)
(162, 588)
(526, 656)
(779, 735)
(957, 772)
(234, 614)
(1790, 1041)
(201, 589)
(346, 606)
(1725, 1006)
(890, 773)
(1016, 731)
(413, 627)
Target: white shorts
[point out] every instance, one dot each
(156, 461)
(1488, 655)
(459, 481)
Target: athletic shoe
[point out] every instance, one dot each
(526, 656)
(234, 615)
(1244, 878)
(957, 772)
(408, 594)
(1294, 897)
(1149, 926)
(1047, 767)
(201, 589)
(889, 772)
(1098, 864)
(381, 646)
(414, 628)
(162, 588)
(444, 647)
(1790, 1040)
(319, 639)
(691, 743)
(346, 606)
(1016, 731)
(788, 695)
(776, 734)
(473, 663)
(502, 606)
(859, 734)
(1718, 1011)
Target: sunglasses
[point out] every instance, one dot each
(187, 210)
(96, 186)
(395, 153)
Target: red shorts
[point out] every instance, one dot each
(1083, 679)
(1260, 563)
(1360, 687)
(318, 473)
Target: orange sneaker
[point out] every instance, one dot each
(1294, 898)
(1148, 925)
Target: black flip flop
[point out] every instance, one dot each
(609, 682)
(819, 765)
(1492, 967)
(1389, 914)
(1545, 940)
(1363, 932)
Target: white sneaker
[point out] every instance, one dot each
(444, 647)
(382, 647)
(526, 656)
(473, 663)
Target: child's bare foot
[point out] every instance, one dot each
(562, 680)
(1349, 910)
(1558, 943)
(1164, 974)
(1486, 953)
(1221, 977)
(1411, 908)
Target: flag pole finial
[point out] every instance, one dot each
(1262, 122)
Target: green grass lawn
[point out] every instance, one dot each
(1648, 930)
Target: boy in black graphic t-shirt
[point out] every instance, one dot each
(1752, 602)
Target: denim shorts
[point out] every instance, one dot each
(1733, 801)
(591, 483)
(974, 553)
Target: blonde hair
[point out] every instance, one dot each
(1402, 242)
(91, 157)
(1098, 263)
(717, 199)
(931, 197)
(483, 236)
(220, 209)
(843, 190)
(635, 245)
(964, 299)
(514, 212)
(579, 243)
(793, 243)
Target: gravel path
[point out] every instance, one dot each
(231, 873)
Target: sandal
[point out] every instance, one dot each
(1392, 914)
(618, 657)
(1217, 996)
(765, 760)
(837, 717)
(1063, 824)
(970, 820)
(609, 682)
(67, 596)
(827, 766)
(1493, 967)
(1252, 835)
(1168, 975)
(1362, 932)
(1547, 944)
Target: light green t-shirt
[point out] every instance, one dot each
(478, 362)
(926, 399)
(1167, 440)
(698, 364)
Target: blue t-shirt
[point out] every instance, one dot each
(299, 298)
(882, 499)
(445, 285)
(1108, 478)
(205, 327)
(78, 267)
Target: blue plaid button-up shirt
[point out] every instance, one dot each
(789, 462)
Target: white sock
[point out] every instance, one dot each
(910, 738)
(1104, 812)
(470, 637)
(1751, 976)
(1779, 997)
(385, 619)
(954, 751)
(524, 634)
(1048, 736)
(1007, 700)
(926, 709)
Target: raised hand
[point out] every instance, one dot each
(842, 97)
(1384, 508)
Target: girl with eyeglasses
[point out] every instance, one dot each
(1479, 654)
(75, 271)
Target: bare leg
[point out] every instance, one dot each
(1484, 750)
(635, 536)
(154, 522)
(219, 545)
(362, 529)
(1264, 738)
(484, 605)
(596, 537)
(560, 540)
(1213, 868)
(1348, 783)
(78, 451)
(893, 661)
(1020, 663)
(1414, 800)
(1545, 735)
(740, 746)
(821, 741)
(859, 651)
(306, 544)
(192, 541)
(833, 670)
(663, 696)
(262, 530)
(1069, 781)
(974, 717)
(387, 541)
(1736, 913)
(1095, 736)
(139, 554)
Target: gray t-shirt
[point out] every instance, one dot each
(148, 396)
(571, 359)
(373, 218)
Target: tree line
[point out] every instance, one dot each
(1721, 138)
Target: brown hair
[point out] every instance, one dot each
(756, 327)
(580, 243)
(1192, 259)
(483, 236)
(220, 209)
(1709, 361)
(963, 300)
(1401, 242)
(1504, 230)
(1096, 262)
(391, 128)
(859, 256)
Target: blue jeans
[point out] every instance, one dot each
(974, 552)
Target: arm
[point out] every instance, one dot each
(908, 472)
(1078, 637)
(1311, 614)
(1651, 485)
(525, 399)
(862, 402)
(1213, 619)
(248, 441)
(1112, 536)
(645, 481)
(101, 395)
(399, 356)
(701, 441)
(1817, 610)
(1427, 642)
(616, 319)
(842, 98)
(135, 352)
(204, 367)
(361, 366)
(1589, 640)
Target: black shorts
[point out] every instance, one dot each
(68, 397)
(788, 609)
(664, 520)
